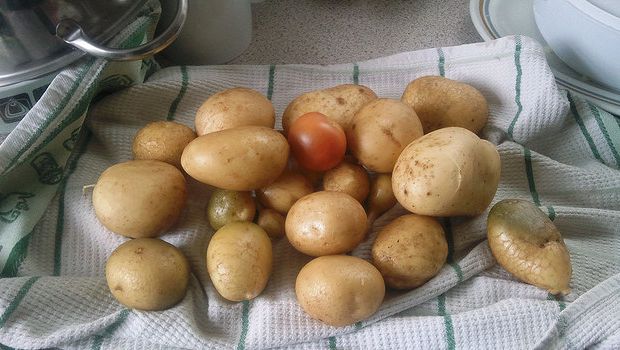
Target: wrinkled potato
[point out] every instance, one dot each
(272, 222)
(147, 274)
(325, 223)
(227, 206)
(381, 197)
(449, 172)
(410, 251)
(284, 192)
(240, 159)
(232, 108)
(338, 103)
(339, 290)
(163, 141)
(348, 178)
(441, 102)
(527, 244)
(380, 131)
(139, 198)
(239, 260)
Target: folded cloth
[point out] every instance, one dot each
(557, 150)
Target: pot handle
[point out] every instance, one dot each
(71, 32)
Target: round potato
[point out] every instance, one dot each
(227, 206)
(163, 141)
(348, 178)
(410, 250)
(284, 192)
(325, 223)
(527, 244)
(354, 97)
(272, 222)
(139, 198)
(239, 260)
(232, 108)
(339, 290)
(449, 172)
(240, 159)
(147, 274)
(441, 102)
(380, 131)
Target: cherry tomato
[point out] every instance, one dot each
(317, 142)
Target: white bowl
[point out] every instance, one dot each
(585, 34)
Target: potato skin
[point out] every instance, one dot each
(410, 250)
(163, 141)
(232, 108)
(380, 131)
(240, 159)
(147, 274)
(449, 172)
(239, 260)
(272, 222)
(325, 223)
(441, 102)
(227, 206)
(348, 178)
(139, 198)
(339, 290)
(284, 192)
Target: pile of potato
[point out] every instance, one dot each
(344, 158)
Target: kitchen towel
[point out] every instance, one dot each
(557, 150)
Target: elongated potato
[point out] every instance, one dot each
(240, 159)
(163, 141)
(449, 172)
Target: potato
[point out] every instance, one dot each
(163, 141)
(338, 103)
(410, 250)
(527, 244)
(284, 192)
(380, 131)
(381, 197)
(240, 159)
(325, 223)
(227, 206)
(348, 178)
(239, 260)
(441, 102)
(139, 198)
(147, 274)
(339, 289)
(449, 172)
(232, 108)
(272, 222)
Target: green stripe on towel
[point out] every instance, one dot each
(245, 324)
(447, 320)
(16, 257)
(517, 85)
(451, 261)
(529, 171)
(356, 74)
(175, 103)
(17, 300)
(272, 75)
(584, 131)
(332, 343)
(122, 316)
(601, 125)
(442, 62)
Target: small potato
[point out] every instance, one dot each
(232, 108)
(284, 192)
(381, 197)
(272, 222)
(147, 274)
(163, 141)
(338, 103)
(325, 223)
(240, 159)
(380, 131)
(449, 172)
(139, 198)
(227, 206)
(348, 178)
(239, 260)
(410, 250)
(339, 290)
(527, 244)
(441, 102)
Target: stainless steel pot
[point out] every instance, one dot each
(38, 37)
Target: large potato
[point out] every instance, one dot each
(338, 103)
(232, 108)
(410, 250)
(449, 172)
(380, 131)
(163, 141)
(325, 223)
(339, 289)
(240, 159)
(139, 198)
(147, 274)
(441, 102)
(239, 260)
(284, 192)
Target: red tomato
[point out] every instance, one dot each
(317, 142)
